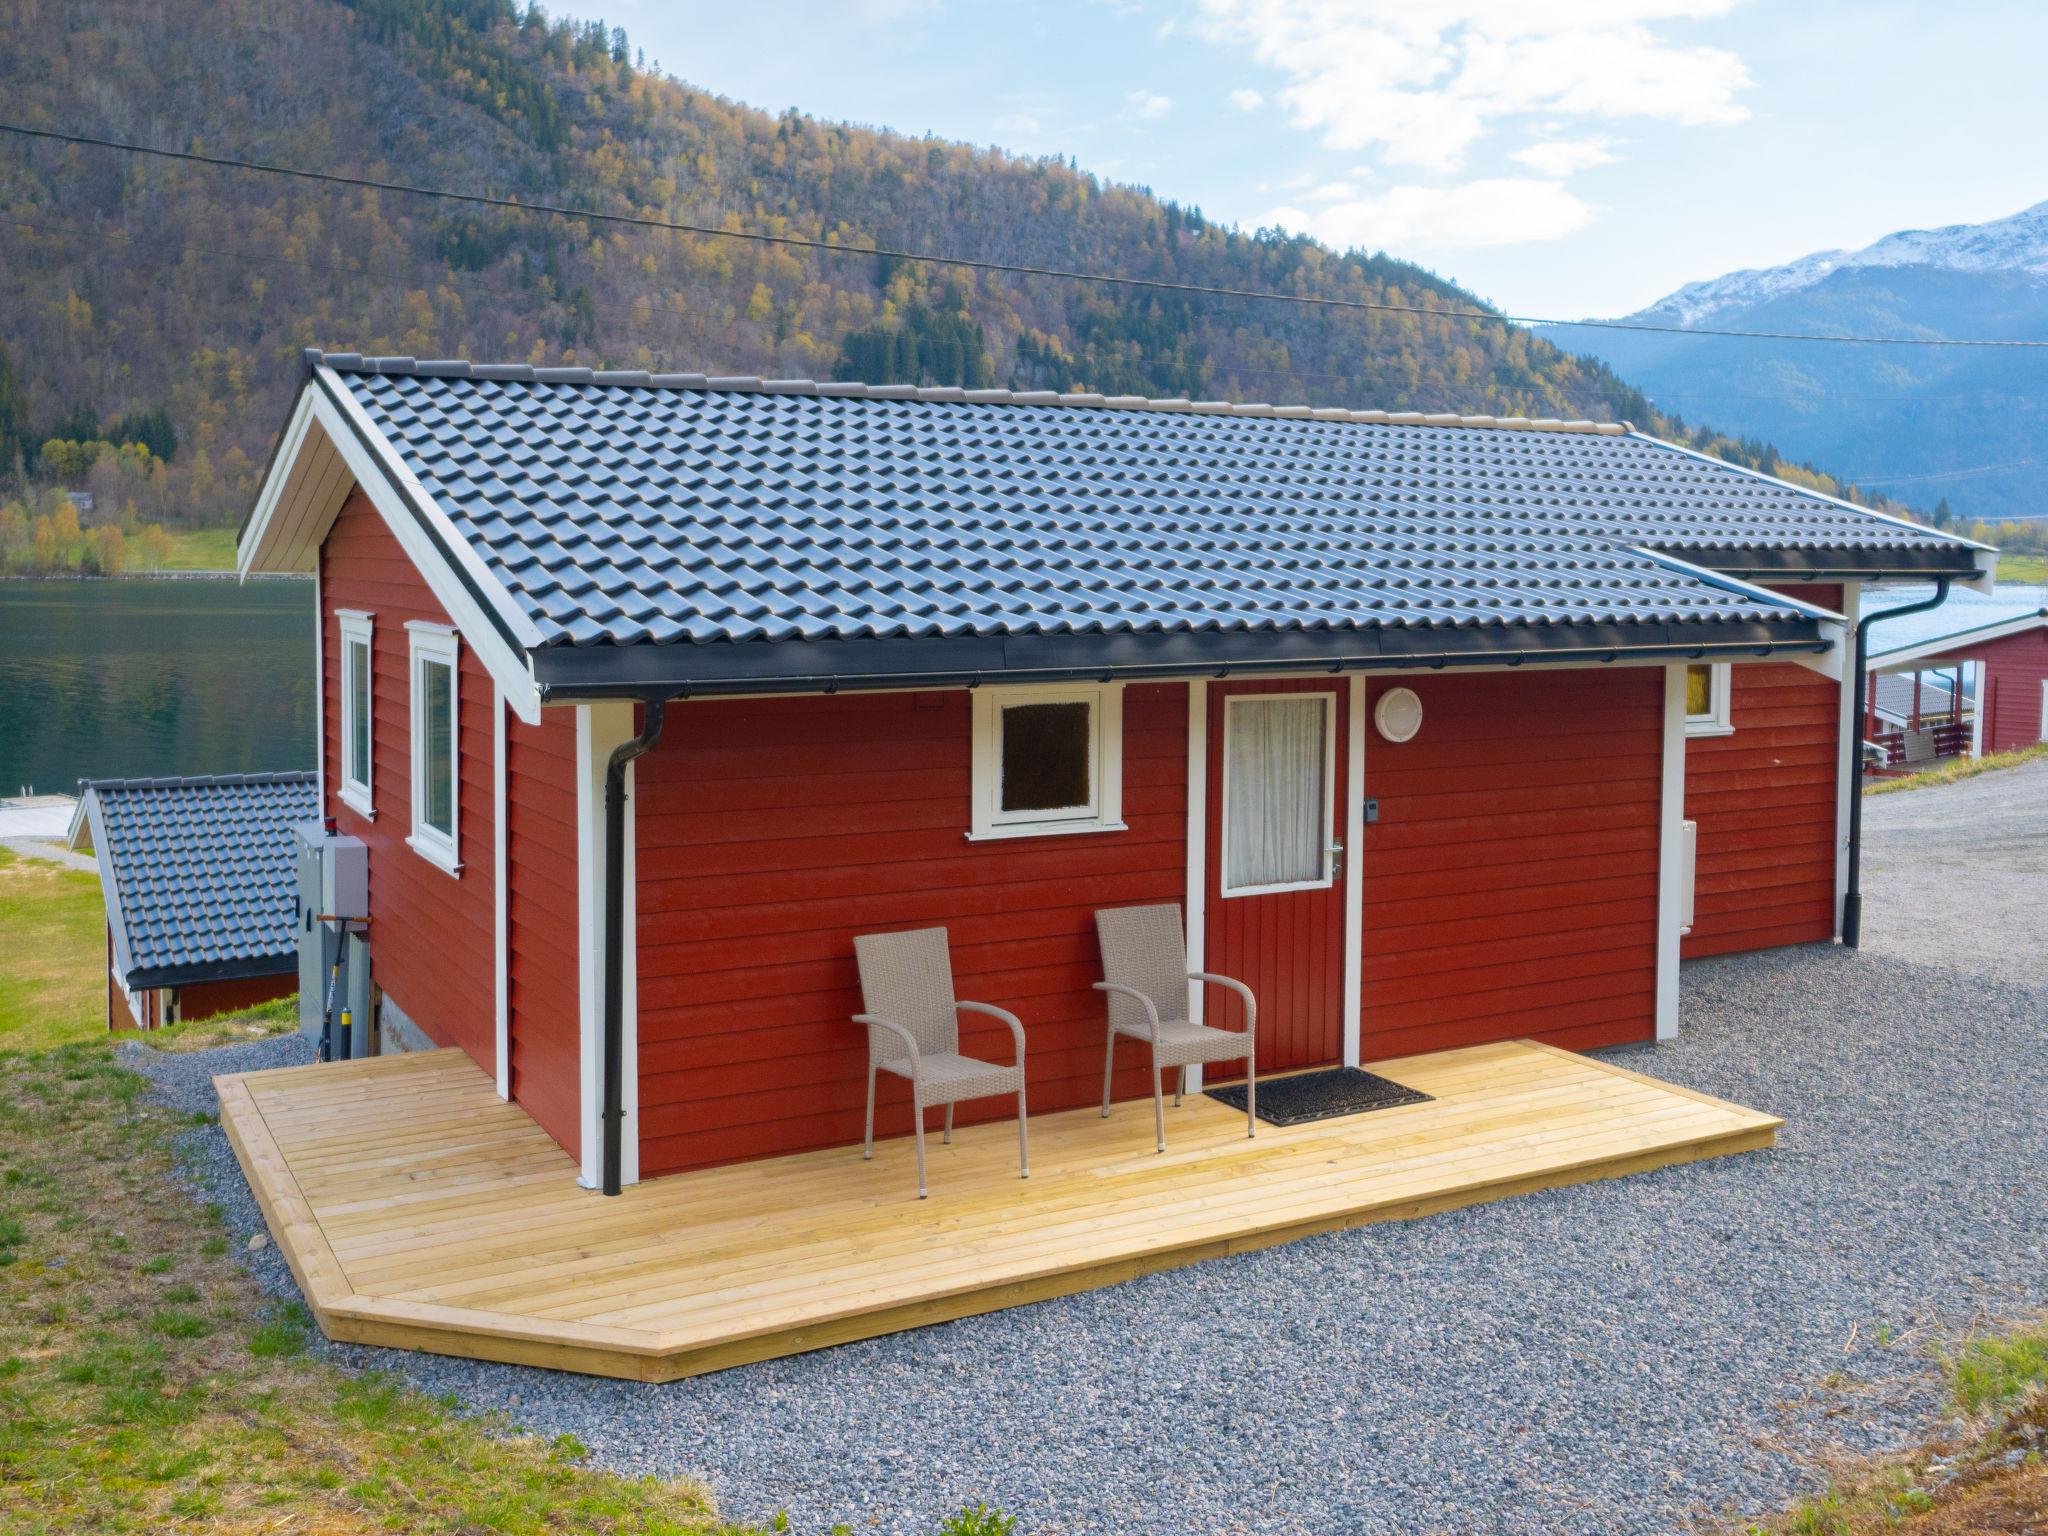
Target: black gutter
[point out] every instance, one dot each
(1852, 898)
(564, 673)
(1866, 563)
(615, 934)
(150, 977)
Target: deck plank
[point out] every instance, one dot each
(419, 1210)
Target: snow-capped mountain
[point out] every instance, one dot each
(1920, 423)
(2015, 244)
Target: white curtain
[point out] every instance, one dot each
(1276, 804)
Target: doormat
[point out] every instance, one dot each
(1325, 1095)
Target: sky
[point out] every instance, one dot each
(1560, 158)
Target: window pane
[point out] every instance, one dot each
(1276, 803)
(1699, 691)
(359, 712)
(436, 690)
(1047, 764)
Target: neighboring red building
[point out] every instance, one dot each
(1445, 672)
(198, 880)
(2004, 663)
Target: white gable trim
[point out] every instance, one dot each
(322, 453)
(110, 892)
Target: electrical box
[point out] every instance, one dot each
(333, 882)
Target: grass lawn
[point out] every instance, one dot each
(146, 1384)
(1961, 768)
(201, 549)
(2029, 569)
(53, 937)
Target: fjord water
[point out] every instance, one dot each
(135, 678)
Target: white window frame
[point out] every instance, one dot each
(358, 629)
(1329, 875)
(1719, 718)
(1105, 703)
(438, 644)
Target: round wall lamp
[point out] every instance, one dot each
(1398, 715)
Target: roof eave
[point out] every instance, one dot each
(1835, 562)
(567, 673)
(192, 973)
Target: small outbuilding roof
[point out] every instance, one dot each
(630, 529)
(198, 873)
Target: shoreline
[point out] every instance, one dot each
(167, 575)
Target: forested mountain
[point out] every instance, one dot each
(138, 292)
(1962, 424)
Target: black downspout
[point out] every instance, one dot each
(1852, 899)
(615, 935)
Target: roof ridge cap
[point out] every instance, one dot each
(525, 373)
(202, 780)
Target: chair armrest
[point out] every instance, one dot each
(1251, 1004)
(1016, 1024)
(876, 1021)
(1151, 1013)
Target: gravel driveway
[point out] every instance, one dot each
(1623, 1357)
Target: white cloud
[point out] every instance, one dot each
(1247, 100)
(1423, 84)
(1494, 211)
(1563, 157)
(1143, 106)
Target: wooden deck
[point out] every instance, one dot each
(420, 1211)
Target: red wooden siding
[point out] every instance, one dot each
(540, 878)
(204, 999)
(1765, 799)
(2015, 668)
(770, 832)
(1287, 946)
(1510, 886)
(432, 934)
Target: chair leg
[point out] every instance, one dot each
(1108, 1061)
(919, 1123)
(1251, 1097)
(867, 1147)
(1023, 1141)
(1158, 1105)
(948, 1137)
(1180, 1087)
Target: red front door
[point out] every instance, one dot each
(1276, 863)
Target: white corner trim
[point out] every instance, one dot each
(501, 954)
(599, 729)
(1354, 873)
(1849, 749)
(1196, 906)
(319, 690)
(1670, 853)
(987, 820)
(1979, 709)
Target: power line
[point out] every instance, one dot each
(976, 264)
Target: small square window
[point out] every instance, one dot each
(436, 746)
(358, 666)
(1047, 760)
(1707, 690)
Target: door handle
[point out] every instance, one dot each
(1336, 853)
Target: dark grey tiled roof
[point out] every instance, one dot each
(621, 509)
(202, 870)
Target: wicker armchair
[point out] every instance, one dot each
(1145, 963)
(913, 1023)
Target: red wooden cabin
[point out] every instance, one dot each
(853, 606)
(2000, 667)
